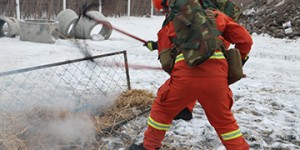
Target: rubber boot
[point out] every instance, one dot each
(135, 146)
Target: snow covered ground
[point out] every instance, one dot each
(267, 101)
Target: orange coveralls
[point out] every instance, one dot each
(206, 83)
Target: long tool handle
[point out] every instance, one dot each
(117, 29)
(130, 35)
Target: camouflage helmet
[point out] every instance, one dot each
(160, 4)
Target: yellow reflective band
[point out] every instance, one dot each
(179, 58)
(231, 135)
(217, 55)
(158, 126)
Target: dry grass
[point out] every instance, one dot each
(127, 105)
(45, 128)
(10, 132)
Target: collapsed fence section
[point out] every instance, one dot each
(77, 85)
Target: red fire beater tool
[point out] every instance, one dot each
(87, 6)
(82, 13)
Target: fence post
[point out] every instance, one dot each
(18, 9)
(128, 8)
(64, 4)
(100, 6)
(152, 9)
(127, 70)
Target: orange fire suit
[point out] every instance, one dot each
(206, 83)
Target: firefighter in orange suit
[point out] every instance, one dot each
(234, 13)
(207, 83)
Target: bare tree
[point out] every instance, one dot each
(50, 8)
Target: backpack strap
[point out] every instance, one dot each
(209, 4)
(212, 17)
(169, 17)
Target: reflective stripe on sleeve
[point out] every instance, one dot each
(179, 58)
(217, 55)
(231, 135)
(158, 126)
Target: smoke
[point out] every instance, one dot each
(52, 127)
(63, 122)
(96, 105)
(42, 128)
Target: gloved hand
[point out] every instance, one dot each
(151, 45)
(245, 60)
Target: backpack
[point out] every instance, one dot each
(226, 6)
(196, 38)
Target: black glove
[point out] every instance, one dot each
(151, 45)
(245, 60)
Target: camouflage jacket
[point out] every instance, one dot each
(226, 6)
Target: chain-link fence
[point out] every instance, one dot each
(76, 85)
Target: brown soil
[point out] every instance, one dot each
(268, 17)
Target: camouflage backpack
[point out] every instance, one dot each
(226, 6)
(196, 38)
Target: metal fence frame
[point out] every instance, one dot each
(73, 61)
(67, 63)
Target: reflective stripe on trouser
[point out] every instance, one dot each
(231, 135)
(212, 93)
(159, 129)
(216, 55)
(157, 125)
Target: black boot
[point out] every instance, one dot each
(140, 146)
(135, 146)
(185, 114)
